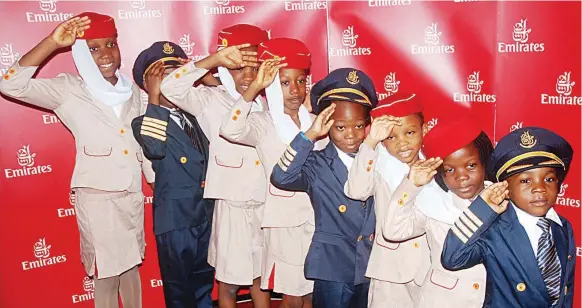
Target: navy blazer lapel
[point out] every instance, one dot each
(519, 242)
(561, 242)
(335, 163)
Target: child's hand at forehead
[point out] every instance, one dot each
(322, 124)
(496, 196)
(381, 129)
(423, 171)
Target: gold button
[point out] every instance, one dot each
(237, 112)
(368, 169)
(11, 71)
(476, 286)
(257, 163)
(416, 245)
(405, 195)
(566, 290)
(360, 238)
(184, 70)
(342, 208)
(234, 118)
(183, 159)
(400, 202)
(177, 75)
(6, 77)
(520, 287)
(370, 162)
(121, 131)
(371, 237)
(125, 152)
(569, 257)
(203, 184)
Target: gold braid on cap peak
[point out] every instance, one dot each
(333, 93)
(163, 60)
(507, 166)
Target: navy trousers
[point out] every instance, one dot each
(330, 294)
(186, 275)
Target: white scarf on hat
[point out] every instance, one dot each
(286, 128)
(432, 201)
(101, 89)
(228, 82)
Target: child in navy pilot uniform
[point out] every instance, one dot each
(344, 228)
(528, 249)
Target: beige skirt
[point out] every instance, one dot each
(284, 260)
(236, 242)
(111, 227)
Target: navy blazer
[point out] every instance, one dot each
(501, 243)
(344, 228)
(180, 170)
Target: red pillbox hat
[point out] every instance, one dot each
(448, 137)
(397, 105)
(241, 34)
(295, 52)
(102, 26)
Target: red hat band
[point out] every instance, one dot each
(241, 34)
(448, 137)
(295, 52)
(397, 105)
(102, 26)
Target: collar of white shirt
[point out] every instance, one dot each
(345, 158)
(529, 223)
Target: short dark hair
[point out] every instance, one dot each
(484, 147)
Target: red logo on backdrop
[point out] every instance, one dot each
(309, 83)
(564, 87)
(520, 37)
(432, 39)
(431, 124)
(305, 5)
(155, 283)
(350, 43)
(26, 162)
(88, 288)
(42, 253)
(474, 87)
(564, 200)
(66, 212)
(223, 8)
(138, 11)
(49, 13)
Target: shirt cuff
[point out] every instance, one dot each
(302, 134)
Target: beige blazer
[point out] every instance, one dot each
(108, 157)
(282, 208)
(235, 172)
(441, 288)
(392, 261)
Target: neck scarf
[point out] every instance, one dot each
(100, 88)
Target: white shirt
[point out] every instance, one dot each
(174, 117)
(117, 109)
(529, 223)
(345, 158)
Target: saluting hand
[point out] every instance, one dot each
(233, 57)
(153, 80)
(321, 125)
(496, 196)
(422, 171)
(65, 34)
(381, 129)
(267, 72)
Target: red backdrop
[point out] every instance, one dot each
(515, 63)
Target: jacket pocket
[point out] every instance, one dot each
(97, 151)
(274, 191)
(443, 280)
(229, 162)
(385, 244)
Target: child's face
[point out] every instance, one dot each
(106, 55)
(244, 76)
(406, 140)
(348, 130)
(293, 87)
(534, 191)
(464, 174)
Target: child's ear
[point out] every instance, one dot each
(424, 129)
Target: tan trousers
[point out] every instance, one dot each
(128, 285)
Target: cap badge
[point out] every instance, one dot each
(168, 49)
(80, 33)
(353, 78)
(224, 42)
(527, 141)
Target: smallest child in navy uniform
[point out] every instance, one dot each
(344, 228)
(528, 249)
